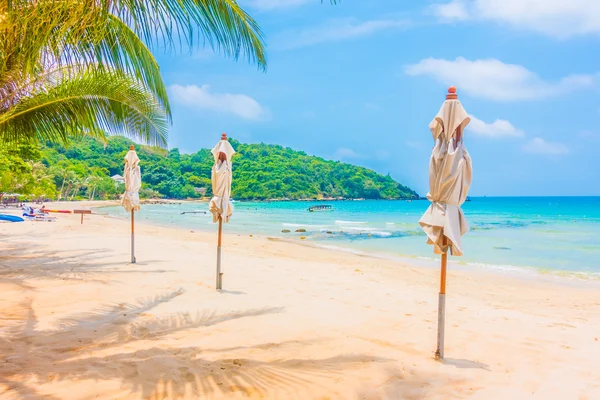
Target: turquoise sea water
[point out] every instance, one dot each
(543, 233)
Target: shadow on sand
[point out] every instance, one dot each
(20, 263)
(96, 345)
(68, 353)
(461, 363)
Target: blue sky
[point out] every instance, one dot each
(360, 82)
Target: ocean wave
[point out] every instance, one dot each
(290, 225)
(354, 234)
(339, 222)
(358, 229)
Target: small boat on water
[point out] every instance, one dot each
(324, 207)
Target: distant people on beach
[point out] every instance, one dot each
(29, 211)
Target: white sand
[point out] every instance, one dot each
(78, 322)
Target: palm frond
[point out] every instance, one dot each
(91, 101)
(221, 24)
(67, 41)
(121, 49)
(58, 62)
(31, 32)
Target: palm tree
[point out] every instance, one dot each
(63, 174)
(76, 182)
(83, 102)
(69, 177)
(85, 66)
(37, 170)
(92, 183)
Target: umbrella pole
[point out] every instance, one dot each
(132, 240)
(219, 273)
(439, 353)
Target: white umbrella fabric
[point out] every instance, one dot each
(131, 197)
(450, 176)
(220, 205)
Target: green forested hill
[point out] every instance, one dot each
(261, 172)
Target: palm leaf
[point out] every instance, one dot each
(123, 50)
(221, 24)
(86, 101)
(59, 39)
(28, 27)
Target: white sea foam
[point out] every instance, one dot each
(290, 225)
(339, 222)
(353, 230)
(381, 233)
(358, 229)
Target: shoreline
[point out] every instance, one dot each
(520, 272)
(557, 277)
(516, 272)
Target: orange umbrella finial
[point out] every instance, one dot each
(223, 156)
(131, 147)
(451, 93)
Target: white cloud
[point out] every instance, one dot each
(202, 98)
(496, 129)
(494, 80)
(344, 153)
(557, 18)
(335, 30)
(540, 146)
(273, 4)
(453, 11)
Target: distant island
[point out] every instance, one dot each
(90, 169)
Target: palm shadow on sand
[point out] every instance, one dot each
(20, 263)
(68, 351)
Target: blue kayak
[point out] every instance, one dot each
(11, 218)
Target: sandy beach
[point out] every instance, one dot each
(294, 322)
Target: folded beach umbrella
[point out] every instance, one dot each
(450, 175)
(220, 204)
(131, 197)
